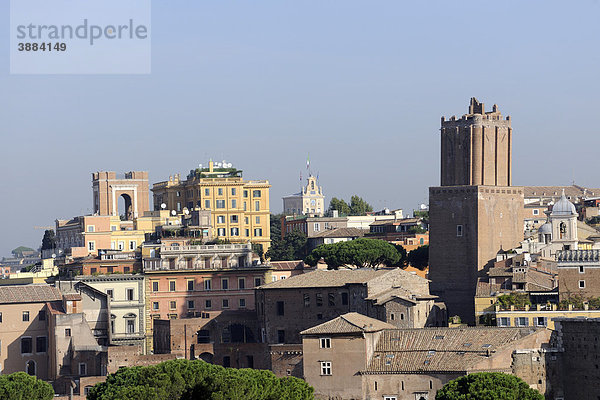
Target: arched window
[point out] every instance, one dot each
(30, 367)
(563, 230)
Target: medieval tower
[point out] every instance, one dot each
(475, 212)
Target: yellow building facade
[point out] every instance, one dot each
(240, 209)
(539, 316)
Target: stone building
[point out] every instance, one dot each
(240, 209)
(356, 357)
(289, 306)
(578, 273)
(578, 342)
(475, 212)
(309, 201)
(187, 281)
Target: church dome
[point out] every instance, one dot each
(545, 229)
(563, 207)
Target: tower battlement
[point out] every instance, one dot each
(476, 148)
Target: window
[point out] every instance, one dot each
(207, 284)
(86, 390)
(257, 219)
(241, 283)
(91, 246)
(280, 308)
(247, 232)
(258, 232)
(234, 203)
(245, 206)
(345, 299)
(132, 245)
(390, 398)
(541, 321)
(171, 286)
(235, 231)
(257, 282)
(155, 286)
(155, 305)
(178, 206)
(280, 336)
(242, 303)
(256, 193)
(82, 369)
(220, 219)
(325, 367)
(257, 206)
(178, 193)
(0, 317)
(325, 343)
(207, 303)
(459, 230)
(521, 321)
(581, 270)
(206, 203)
(41, 344)
(306, 300)
(317, 227)
(207, 192)
(319, 299)
(191, 304)
(225, 303)
(233, 219)
(42, 315)
(172, 305)
(245, 193)
(536, 211)
(190, 285)
(26, 345)
(220, 191)
(110, 294)
(220, 203)
(67, 332)
(91, 228)
(25, 316)
(226, 362)
(274, 278)
(581, 284)
(225, 283)
(131, 325)
(221, 232)
(130, 294)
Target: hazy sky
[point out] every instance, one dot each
(360, 85)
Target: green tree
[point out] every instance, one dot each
(20, 386)
(419, 257)
(191, 380)
(401, 263)
(340, 205)
(362, 253)
(358, 206)
(257, 248)
(488, 386)
(49, 240)
(291, 247)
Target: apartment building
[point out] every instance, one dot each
(240, 208)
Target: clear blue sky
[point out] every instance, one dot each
(360, 85)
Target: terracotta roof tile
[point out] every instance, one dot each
(29, 294)
(327, 278)
(439, 349)
(348, 323)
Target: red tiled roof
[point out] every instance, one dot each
(29, 294)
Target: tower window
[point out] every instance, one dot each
(459, 230)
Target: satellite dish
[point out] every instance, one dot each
(423, 206)
(53, 255)
(163, 206)
(173, 212)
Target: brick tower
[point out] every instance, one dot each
(475, 212)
